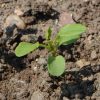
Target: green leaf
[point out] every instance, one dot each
(48, 34)
(70, 33)
(76, 29)
(56, 65)
(24, 48)
(65, 40)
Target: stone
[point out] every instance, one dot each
(42, 61)
(97, 82)
(37, 95)
(29, 20)
(34, 66)
(96, 96)
(2, 97)
(1, 68)
(74, 69)
(93, 54)
(85, 0)
(18, 11)
(90, 78)
(65, 98)
(82, 62)
(85, 79)
(65, 18)
(12, 20)
(25, 38)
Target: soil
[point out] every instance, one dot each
(27, 78)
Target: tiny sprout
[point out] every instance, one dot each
(66, 35)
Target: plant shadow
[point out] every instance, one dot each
(27, 31)
(13, 35)
(76, 84)
(11, 60)
(44, 16)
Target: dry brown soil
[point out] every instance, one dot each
(27, 78)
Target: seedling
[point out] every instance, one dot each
(56, 63)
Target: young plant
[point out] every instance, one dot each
(56, 63)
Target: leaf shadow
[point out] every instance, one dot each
(44, 16)
(73, 85)
(10, 59)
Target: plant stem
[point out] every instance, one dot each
(43, 45)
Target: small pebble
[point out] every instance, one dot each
(82, 62)
(37, 96)
(25, 38)
(74, 69)
(18, 11)
(1, 68)
(93, 54)
(90, 78)
(34, 67)
(65, 98)
(2, 97)
(85, 79)
(85, 0)
(12, 20)
(42, 61)
(65, 18)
